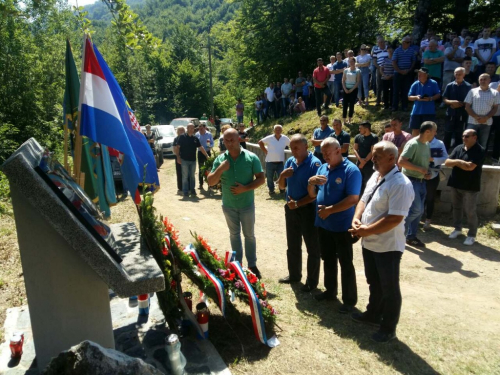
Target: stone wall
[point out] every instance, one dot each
(488, 198)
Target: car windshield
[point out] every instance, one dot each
(179, 122)
(166, 131)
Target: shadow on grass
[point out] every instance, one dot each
(395, 354)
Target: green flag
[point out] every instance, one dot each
(71, 97)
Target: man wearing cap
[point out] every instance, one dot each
(318, 135)
(300, 213)
(403, 61)
(424, 91)
(321, 75)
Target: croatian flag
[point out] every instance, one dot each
(105, 118)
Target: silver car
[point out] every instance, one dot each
(168, 134)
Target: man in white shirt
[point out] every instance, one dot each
(379, 221)
(481, 103)
(331, 80)
(485, 48)
(269, 104)
(275, 154)
(286, 90)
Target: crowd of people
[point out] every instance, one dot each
(398, 74)
(380, 199)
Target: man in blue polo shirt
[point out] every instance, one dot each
(338, 72)
(318, 135)
(403, 61)
(424, 92)
(300, 212)
(336, 188)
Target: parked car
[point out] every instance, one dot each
(210, 127)
(158, 145)
(184, 121)
(168, 133)
(224, 121)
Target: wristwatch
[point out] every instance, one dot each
(296, 205)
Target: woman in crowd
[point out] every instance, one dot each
(363, 61)
(350, 82)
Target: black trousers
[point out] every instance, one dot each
(178, 172)
(496, 142)
(300, 224)
(366, 173)
(387, 89)
(319, 155)
(432, 186)
(454, 125)
(319, 97)
(349, 102)
(201, 160)
(338, 246)
(382, 275)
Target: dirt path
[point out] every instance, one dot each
(450, 321)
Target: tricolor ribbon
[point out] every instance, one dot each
(219, 287)
(230, 256)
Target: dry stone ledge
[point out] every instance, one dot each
(89, 358)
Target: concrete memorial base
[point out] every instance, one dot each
(137, 336)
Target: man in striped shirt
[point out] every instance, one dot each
(403, 61)
(379, 53)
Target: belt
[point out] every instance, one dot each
(275, 162)
(416, 179)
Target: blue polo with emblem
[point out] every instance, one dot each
(296, 186)
(429, 88)
(343, 180)
(321, 134)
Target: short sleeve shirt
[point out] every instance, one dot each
(297, 81)
(337, 66)
(342, 181)
(467, 180)
(417, 153)
(320, 75)
(330, 68)
(481, 102)
(276, 148)
(451, 65)
(454, 91)
(403, 57)
(365, 143)
(484, 48)
(393, 196)
(188, 146)
(399, 139)
(296, 185)
(321, 134)
(434, 69)
(429, 88)
(343, 138)
(242, 170)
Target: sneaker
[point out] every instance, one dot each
(365, 319)
(345, 309)
(288, 280)
(469, 241)
(325, 296)
(415, 242)
(256, 271)
(306, 288)
(427, 225)
(455, 234)
(382, 337)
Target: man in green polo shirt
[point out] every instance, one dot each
(240, 173)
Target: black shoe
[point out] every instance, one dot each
(288, 280)
(256, 271)
(193, 193)
(325, 296)
(415, 242)
(363, 318)
(345, 309)
(200, 187)
(382, 337)
(306, 288)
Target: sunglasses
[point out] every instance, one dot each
(466, 136)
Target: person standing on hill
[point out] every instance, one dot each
(239, 111)
(321, 75)
(363, 147)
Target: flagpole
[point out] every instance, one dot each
(77, 161)
(66, 166)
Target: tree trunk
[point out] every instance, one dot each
(421, 19)
(461, 15)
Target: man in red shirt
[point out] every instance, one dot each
(321, 76)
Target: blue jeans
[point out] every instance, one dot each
(188, 181)
(285, 104)
(239, 119)
(364, 84)
(337, 87)
(331, 88)
(416, 209)
(271, 169)
(238, 219)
